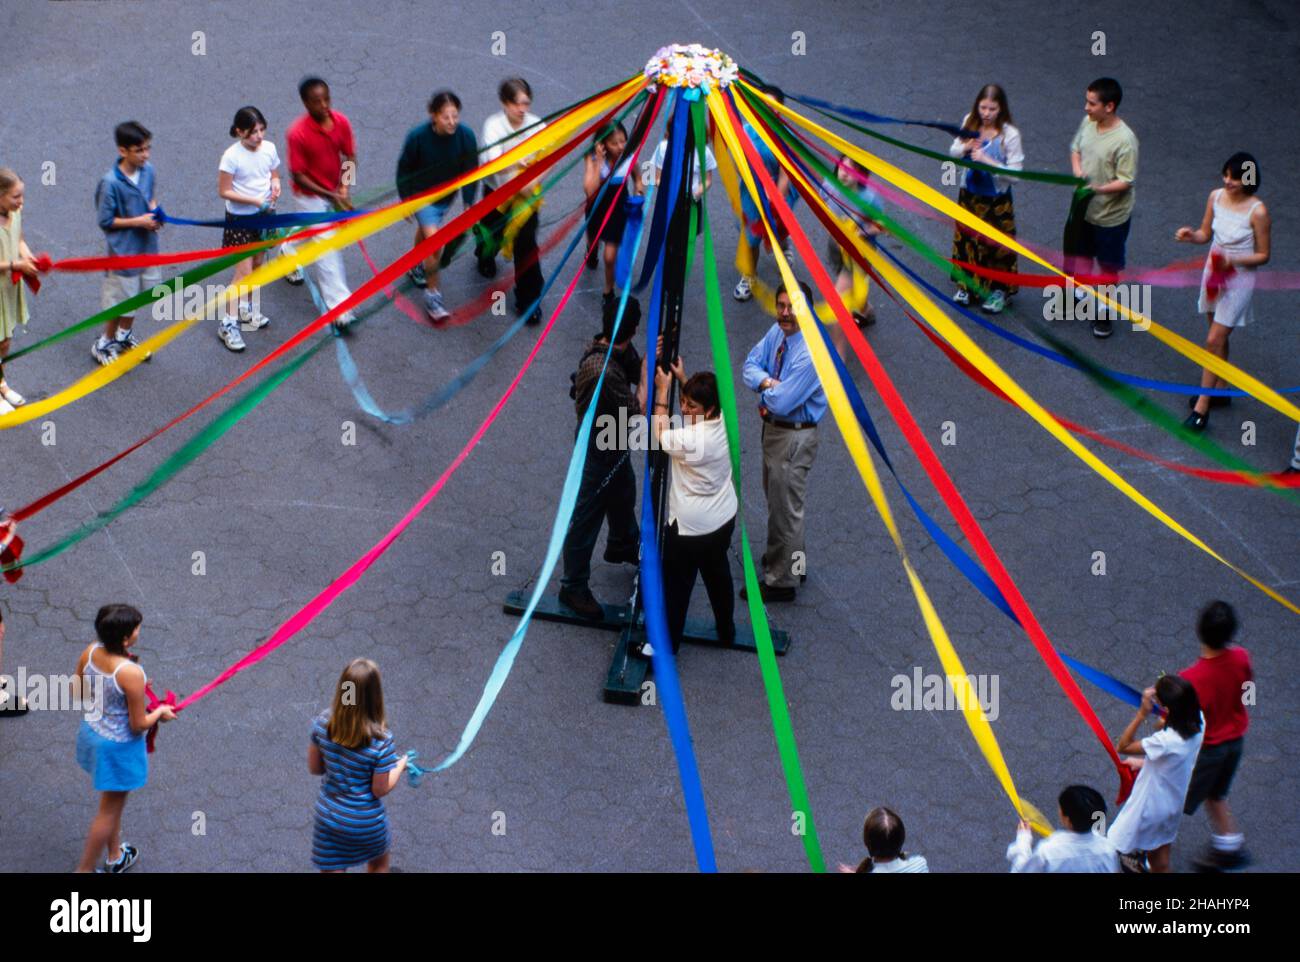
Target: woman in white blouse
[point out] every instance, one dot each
(701, 501)
(988, 137)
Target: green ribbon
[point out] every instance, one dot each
(771, 675)
(197, 444)
(894, 228)
(1141, 405)
(1042, 176)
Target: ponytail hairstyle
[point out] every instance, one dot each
(357, 716)
(883, 834)
(246, 118)
(114, 624)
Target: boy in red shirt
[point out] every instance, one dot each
(323, 163)
(1223, 680)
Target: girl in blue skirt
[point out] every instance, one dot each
(111, 741)
(353, 749)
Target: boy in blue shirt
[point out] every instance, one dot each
(125, 200)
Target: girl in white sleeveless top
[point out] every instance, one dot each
(1238, 227)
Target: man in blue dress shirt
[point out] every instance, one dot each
(791, 402)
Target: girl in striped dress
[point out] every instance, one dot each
(353, 749)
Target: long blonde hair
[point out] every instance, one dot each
(357, 716)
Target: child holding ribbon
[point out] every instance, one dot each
(1239, 230)
(607, 162)
(248, 180)
(851, 180)
(987, 137)
(353, 749)
(17, 265)
(111, 742)
(1148, 823)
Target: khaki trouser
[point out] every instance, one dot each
(787, 456)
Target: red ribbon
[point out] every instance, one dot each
(917, 441)
(11, 549)
(154, 702)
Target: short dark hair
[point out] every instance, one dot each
(306, 85)
(1216, 625)
(1080, 804)
(883, 834)
(1238, 165)
(807, 292)
(1108, 91)
(1179, 697)
(246, 118)
(702, 388)
(114, 625)
(441, 98)
(631, 319)
(511, 88)
(131, 133)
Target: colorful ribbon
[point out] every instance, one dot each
(978, 723)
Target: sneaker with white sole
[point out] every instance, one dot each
(229, 334)
(417, 276)
(104, 351)
(995, 303)
(961, 297)
(434, 307)
(295, 276)
(743, 291)
(124, 861)
(251, 320)
(647, 650)
(11, 396)
(130, 343)
(6, 407)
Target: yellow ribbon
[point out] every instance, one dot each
(352, 231)
(852, 434)
(906, 182)
(956, 337)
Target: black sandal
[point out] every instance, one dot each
(1196, 422)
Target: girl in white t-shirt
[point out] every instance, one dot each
(249, 182)
(1148, 822)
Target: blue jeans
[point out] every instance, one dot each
(607, 490)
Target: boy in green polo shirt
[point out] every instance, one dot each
(1104, 152)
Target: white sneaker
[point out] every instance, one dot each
(434, 306)
(647, 650)
(742, 291)
(12, 396)
(6, 407)
(229, 334)
(295, 277)
(250, 320)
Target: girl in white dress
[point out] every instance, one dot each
(1238, 226)
(1148, 822)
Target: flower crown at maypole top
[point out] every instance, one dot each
(755, 137)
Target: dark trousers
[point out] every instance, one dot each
(685, 556)
(607, 490)
(528, 264)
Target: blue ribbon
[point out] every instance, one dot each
(262, 221)
(865, 115)
(442, 396)
(665, 201)
(964, 563)
(652, 589)
(413, 771)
